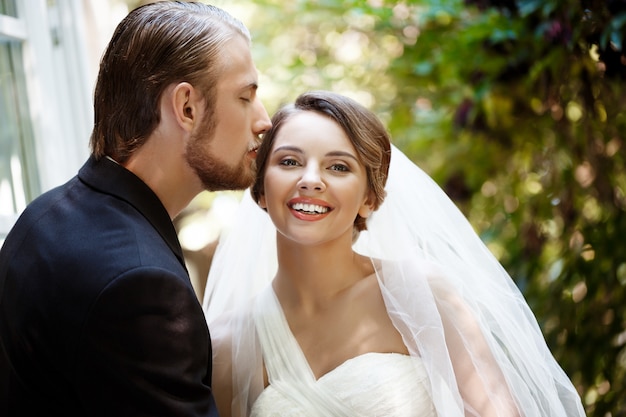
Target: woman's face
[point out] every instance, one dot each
(314, 183)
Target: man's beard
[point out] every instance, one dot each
(214, 173)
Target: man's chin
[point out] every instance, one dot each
(224, 183)
(217, 175)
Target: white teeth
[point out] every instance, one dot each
(310, 208)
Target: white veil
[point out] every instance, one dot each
(448, 296)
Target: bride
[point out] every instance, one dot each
(368, 293)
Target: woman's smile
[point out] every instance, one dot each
(309, 209)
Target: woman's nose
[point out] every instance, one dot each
(311, 179)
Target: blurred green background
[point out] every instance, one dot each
(517, 108)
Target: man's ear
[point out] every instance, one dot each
(186, 105)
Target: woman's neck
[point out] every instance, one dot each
(313, 275)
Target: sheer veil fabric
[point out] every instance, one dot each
(454, 304)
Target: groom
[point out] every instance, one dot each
(97, 313)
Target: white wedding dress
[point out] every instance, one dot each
(372, 384)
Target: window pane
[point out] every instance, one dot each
(18, 179)
(8, 7)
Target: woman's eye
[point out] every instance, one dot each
(247, 100)
(340, 168)
(289, 162)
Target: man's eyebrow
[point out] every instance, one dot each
(251, 86)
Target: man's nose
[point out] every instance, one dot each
(262, 122)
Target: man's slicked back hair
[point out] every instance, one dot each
(155, 46)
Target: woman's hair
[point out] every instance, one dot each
(156, 45)
(364, 130)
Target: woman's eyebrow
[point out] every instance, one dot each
(342, 153)
(288, 148)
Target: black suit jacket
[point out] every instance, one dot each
(98, 316)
